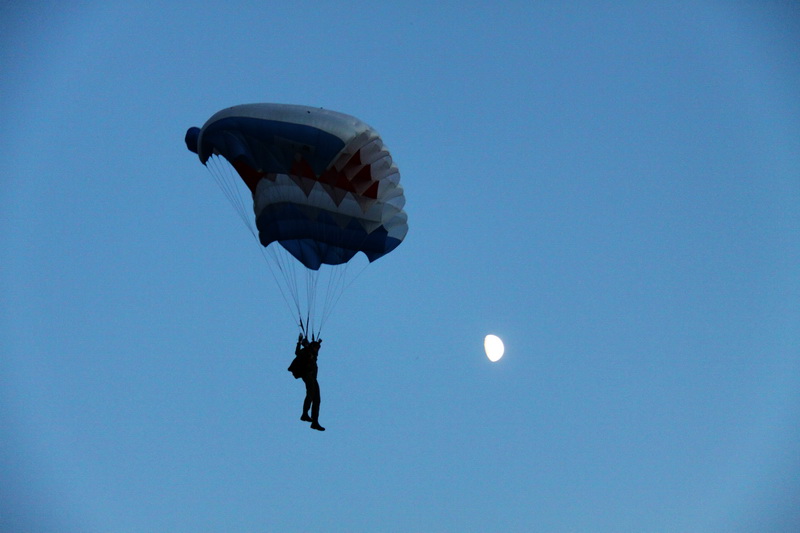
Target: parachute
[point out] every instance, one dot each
(323, 188)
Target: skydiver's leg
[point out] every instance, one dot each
(315, 398)
(315, 406)
(307, 401)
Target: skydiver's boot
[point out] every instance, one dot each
(315, 425)
(306, 418)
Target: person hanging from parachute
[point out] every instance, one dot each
(323, 188)
(304, 366)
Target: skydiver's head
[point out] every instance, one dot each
(314, 345)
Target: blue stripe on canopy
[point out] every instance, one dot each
(314, 238)
(269, 145)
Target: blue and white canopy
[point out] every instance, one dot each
(324, 186)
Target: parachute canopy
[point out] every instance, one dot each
(323, 184)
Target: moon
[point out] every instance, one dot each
(494, 348)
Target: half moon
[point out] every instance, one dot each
(494, 348)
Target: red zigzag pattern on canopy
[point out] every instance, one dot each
(354, 178)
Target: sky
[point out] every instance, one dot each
(610, 187)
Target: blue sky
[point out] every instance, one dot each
(612, 189)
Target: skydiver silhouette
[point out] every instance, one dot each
(305, 366)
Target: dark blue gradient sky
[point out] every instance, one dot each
(612, 188)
